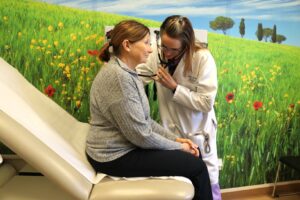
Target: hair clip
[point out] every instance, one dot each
(108, 34)
(180, 19)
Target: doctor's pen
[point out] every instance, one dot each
(205, 135)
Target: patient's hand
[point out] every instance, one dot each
(190, 142)
(187, 148)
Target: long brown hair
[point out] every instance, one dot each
(179, 27)
(127, 29)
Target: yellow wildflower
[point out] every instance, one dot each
(50, 28)
(78, 103)
(61, 65)
(93, 36)
(60, 25)
(100, 40)
(73, 37)
(67, 69)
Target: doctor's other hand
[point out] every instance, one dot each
(166, 79)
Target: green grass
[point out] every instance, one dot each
(251, 141)
(48, 44)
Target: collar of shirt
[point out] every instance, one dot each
(125, 67)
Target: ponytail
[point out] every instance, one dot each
(104, 54)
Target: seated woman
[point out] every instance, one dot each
(123, 139)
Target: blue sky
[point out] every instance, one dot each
(284, 13)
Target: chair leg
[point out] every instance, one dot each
(276, 179)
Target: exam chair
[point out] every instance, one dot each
(51, 143)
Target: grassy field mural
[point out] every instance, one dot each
(258, 102)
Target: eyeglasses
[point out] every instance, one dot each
(171, 50)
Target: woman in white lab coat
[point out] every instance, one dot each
(186, 80)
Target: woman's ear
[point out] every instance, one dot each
(126, 45)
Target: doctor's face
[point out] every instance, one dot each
(170, 47)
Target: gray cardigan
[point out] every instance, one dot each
(120, 116)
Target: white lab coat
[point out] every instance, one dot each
(190, 108)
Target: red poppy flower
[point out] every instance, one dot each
(49, 90)
(230, 97)
(257, 105)
(93, 52)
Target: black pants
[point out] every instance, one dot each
(142, 162)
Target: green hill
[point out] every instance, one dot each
(49, 44)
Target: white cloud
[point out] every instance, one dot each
(270, 4)
(258, 17)
(249, 9)
(192, 11)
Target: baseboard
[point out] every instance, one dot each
(263, 189)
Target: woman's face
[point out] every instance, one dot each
(170, 47)
(141, 50)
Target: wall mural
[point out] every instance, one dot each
(257, 54)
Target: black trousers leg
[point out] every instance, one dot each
(142, 162)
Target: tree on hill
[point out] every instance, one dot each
(242, 27)
(274, 34)
(280, 38)
(259, 32)
(221, 23)
(267, 32)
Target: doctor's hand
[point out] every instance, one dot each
(164, 78)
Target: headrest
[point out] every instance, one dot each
(44, 119)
